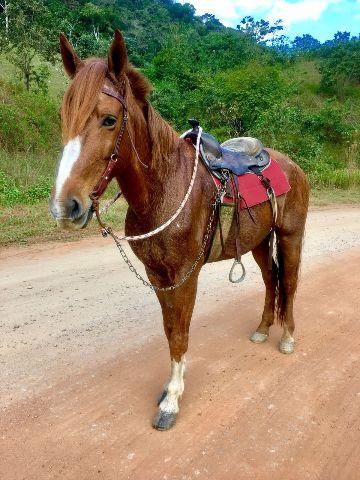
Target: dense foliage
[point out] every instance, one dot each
(300, 96)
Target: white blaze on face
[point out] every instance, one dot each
(175, 387)
(70, 155)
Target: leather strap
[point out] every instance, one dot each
(109, 172)
(113, 93)
(272, 198)
(105, 179)
(237, 200)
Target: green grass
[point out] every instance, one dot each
(321, 197)
(341, 179)
(31, 224)
(57, 80)
(25, 180)
(28, 224)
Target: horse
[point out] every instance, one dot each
(108, 99)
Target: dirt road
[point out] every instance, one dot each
(83, 359)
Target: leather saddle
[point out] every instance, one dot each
(238, 155)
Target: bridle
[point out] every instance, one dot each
(109, 172)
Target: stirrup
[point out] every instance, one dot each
(232, 272)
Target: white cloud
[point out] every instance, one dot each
(299, 11)
(225, 10)
(231, 11)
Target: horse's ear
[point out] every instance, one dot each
(117, 57)
(72, 63)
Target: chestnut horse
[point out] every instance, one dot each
(154, 170)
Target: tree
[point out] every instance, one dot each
(340, 67)
(211, 22)
(30, 40)
(184, 13)
(260, 30)
(305, 44)
(339, 37)
(4, 9)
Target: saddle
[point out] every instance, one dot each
(228, 161)
(238, 155)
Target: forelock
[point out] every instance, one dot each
(81, 97)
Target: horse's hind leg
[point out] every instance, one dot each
(289, 257)
(261, 255)
(177, 307)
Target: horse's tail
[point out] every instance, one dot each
(278, 274)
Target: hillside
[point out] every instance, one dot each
(305, 102)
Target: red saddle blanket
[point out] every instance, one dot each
(253, 191)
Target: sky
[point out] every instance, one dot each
(321, 18)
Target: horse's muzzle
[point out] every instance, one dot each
(70, 214)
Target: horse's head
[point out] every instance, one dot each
(91, 122)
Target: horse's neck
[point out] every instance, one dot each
(144, 187)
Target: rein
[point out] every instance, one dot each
(109, 174)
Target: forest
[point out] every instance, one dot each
(300, 96)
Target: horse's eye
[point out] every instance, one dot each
(109, 122)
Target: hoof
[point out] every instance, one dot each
(164, 420)
(258, 337)
(162, 397)
(287, 347)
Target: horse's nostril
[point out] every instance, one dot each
(74, 209)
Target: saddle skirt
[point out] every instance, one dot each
(251, 189)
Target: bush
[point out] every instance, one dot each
(29, 122)
(235, 100)
(340, 67)
(11, 194)
(330, 123)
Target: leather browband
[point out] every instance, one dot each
(114, 94)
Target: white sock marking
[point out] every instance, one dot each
(175, 387)
(69, 157)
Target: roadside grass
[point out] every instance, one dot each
(327, 197)
(28, 169)
(341, 179)
(31, 224)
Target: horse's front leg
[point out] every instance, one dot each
(177, 308)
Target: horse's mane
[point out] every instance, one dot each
(81, 98)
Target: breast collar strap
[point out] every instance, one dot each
(109, 172)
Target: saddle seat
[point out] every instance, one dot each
(238, 155)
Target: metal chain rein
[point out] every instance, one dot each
(217, 201)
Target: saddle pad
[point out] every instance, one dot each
(252, 190)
